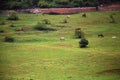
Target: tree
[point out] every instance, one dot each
(21, 4)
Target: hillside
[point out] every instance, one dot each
(40, 54)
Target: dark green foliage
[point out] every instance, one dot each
(77, 3)
(46, 21)
(46, 4)
(23, 4)
(84, 15)
(83, 43)
(40, 26)
(43, 27)
(112, 19)
(65, 21)
(9, 39)
(79, 33)
(13, 16)
(1, 31)
(12, 25)
(62, 3)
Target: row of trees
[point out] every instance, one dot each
(22, 4)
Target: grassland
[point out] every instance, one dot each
(40, 55)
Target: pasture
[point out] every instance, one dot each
(41, 55)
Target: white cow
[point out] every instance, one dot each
(68, 16)
(62, 38)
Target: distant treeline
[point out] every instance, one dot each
(23, 4)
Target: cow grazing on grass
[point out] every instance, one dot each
(100, 35)
(18, 30)
(24, 29)
(114, 37)
(68, 16)
(78, 29)
(62, 38)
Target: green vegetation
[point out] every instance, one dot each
(65, 21)
(43, 27)
(8, 39)
(22, 4)
(1, 31)
(79, 33)
(2, 23)
(45, 21)
(40, 55)
(83, 43)
(112, 19)
(13, 16)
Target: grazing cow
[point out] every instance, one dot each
(78, 29)
(114, 37)
(100, 35)
(17, 30)
(68, 16)
(24, 29)
(62, 38)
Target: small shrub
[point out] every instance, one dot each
(65, 21)
(13, 16)
(43, 27)
(2, 23)
(84, 15)
(1, 31)
(12, 25)
(112, 19)
(78, 33)
(83, 43)
(45, 21)
(40, 26)
(9, 39)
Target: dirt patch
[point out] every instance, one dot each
(111, 71)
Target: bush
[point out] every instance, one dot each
(45, 21)
(13, 16)
(83, 43)
(112, 19)
(12, 25)
(78, 33)
(40, 26)
(65, 21)
(8, 39)
(43, 27)
(1, 31)
(2, 23)
(84, 15)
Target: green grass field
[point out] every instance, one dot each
(40, 55)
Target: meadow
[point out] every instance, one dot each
(41, 55)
